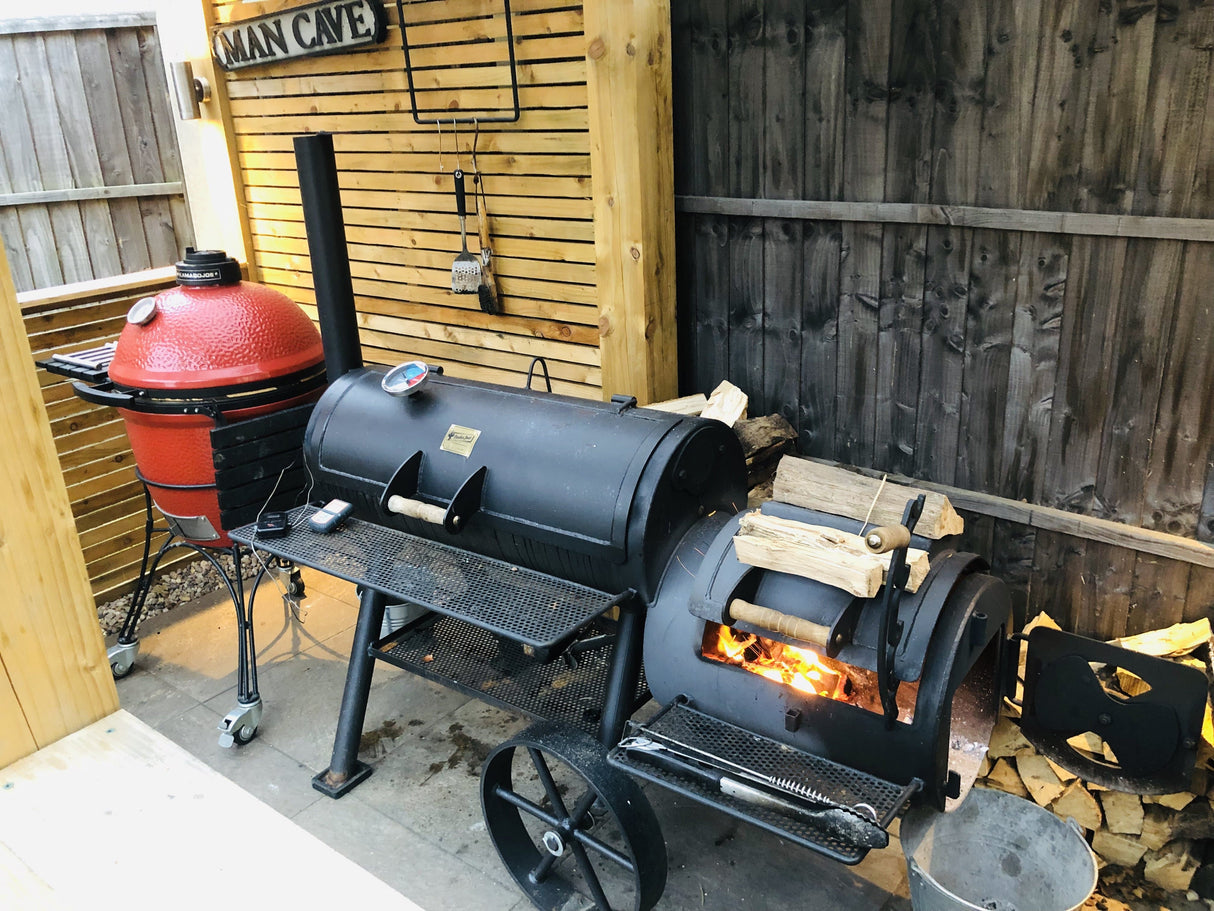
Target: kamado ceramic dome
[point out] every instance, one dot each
(214, 349)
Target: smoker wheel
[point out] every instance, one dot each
(567, 825)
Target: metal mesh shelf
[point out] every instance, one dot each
(476, 662)
(523, 605)
(844, 785)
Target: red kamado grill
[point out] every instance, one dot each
(215, 379)
(549, 543)
(213, 350)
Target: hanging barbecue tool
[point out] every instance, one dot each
(488, 285)
(466, 270)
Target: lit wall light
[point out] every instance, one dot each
(188, 91)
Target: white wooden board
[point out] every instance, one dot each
(118, 816)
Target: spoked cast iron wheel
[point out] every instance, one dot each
(574, 832)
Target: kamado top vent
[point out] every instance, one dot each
(210, 351)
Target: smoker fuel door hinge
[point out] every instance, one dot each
(1076, 686)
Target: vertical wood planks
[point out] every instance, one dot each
(628, 80)
(64, 130)
(866, 107)
(51, 652)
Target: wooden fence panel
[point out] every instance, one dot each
(90, 180)
(94, 455)
(950, 327)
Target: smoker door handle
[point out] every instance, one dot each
(416, 509)
(776, 621)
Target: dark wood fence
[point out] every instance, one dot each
(90, 176)
(968, 243)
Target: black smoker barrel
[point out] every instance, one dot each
(594, 492)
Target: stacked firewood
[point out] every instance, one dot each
(1160, 837)
(764, 439)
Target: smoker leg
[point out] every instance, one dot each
(625, 672)
(345, 771)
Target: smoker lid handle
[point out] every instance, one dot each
(885, 538)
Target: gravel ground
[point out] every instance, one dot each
(179, 585)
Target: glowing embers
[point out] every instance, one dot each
(798, 668)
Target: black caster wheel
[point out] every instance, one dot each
(120, 670)
(568, 826)
(295, 586)
(244, 734)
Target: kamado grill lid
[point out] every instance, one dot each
(213, 331)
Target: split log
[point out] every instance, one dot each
(1064, 775)
(1006, 739)
(727, 404)
(1177, 801)
(1194, 821)
(688, 404)
(826, 555)
(1098, 902)
(1117, 849)
(1157, 825)
(1038, 777)
(1123, 812)
(1003, 777)
(1078, 804)
(826, 488)
(764, 440)
(1173, 867)
(1176, 640)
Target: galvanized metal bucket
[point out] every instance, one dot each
(996, 852)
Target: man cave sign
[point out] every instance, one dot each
(304, 31)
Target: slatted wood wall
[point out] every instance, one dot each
(90, 175)
(399, 207)
(94, 453)
(905, 292)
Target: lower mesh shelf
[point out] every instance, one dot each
(841, 784)
(496, 670)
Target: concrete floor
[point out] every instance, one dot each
(416, 823)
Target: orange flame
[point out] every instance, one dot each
(799, 668)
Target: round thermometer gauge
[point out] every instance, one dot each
(142, 311)
(405, 379)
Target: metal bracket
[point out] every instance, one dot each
(417, 111)
(1154, 735)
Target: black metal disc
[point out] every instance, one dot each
(565, 823)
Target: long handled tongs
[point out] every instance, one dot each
(856, 824)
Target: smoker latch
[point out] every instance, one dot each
(891, 627)
(1071, 688)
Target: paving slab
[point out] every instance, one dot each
(199, 656)
(303, 697)
(409, 863)
(268, 774)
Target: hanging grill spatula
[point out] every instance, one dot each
(466, 270)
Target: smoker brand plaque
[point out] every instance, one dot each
(459, 440)
(302, 31)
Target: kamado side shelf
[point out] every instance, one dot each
(549, 543)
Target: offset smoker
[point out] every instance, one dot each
(547, 537)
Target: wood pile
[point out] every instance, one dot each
(1161, 837)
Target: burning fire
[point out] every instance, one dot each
(799, 668)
